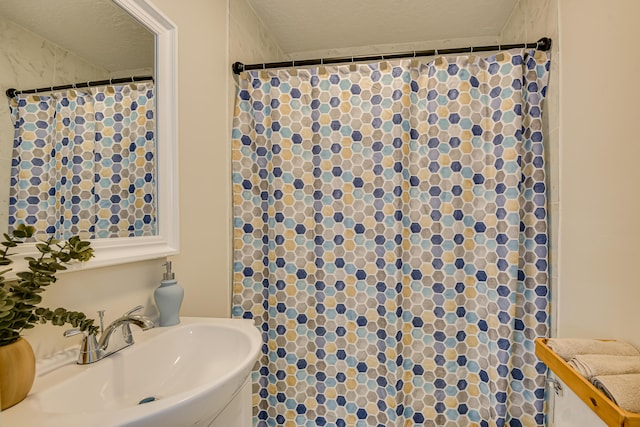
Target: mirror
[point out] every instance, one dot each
(110, 40)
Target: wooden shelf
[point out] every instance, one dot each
(608, 411)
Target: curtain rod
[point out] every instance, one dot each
(11, 92)
(543, 44)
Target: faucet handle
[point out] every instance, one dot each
(71, 332)
(133, 310)
(89, 350)
(101, 315)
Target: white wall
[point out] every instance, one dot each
(249, 39)
(394, 47)
(598, 292)
(27, 60)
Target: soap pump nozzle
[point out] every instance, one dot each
(168, 275)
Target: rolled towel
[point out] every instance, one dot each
(567, 348)
(593, 365)
(623, 390)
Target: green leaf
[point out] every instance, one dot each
(6, 305)
(43, 247)
(19, 298)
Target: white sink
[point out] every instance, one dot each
(192, 370)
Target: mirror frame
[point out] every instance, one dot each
(166, 242)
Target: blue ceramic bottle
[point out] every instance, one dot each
(168, 297)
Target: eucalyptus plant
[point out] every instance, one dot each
(20, 297)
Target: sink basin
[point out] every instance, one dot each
(184, 375)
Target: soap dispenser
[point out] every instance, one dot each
(168, 297)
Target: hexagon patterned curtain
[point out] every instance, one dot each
(84, 162)
(390, 241)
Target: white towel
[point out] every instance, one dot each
(623, 390)
(593, 365)
(567, 348)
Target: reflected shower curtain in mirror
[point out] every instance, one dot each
(84, 162)
(390, 241)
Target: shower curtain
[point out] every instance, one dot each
(84, 162)
(390, 241)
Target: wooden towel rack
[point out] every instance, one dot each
(608, 411)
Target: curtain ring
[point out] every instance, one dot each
(321, 69)
(414, 60)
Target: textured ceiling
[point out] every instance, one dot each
(308, 25)
(97, 30)
(103, 34)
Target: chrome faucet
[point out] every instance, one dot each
(113, 338)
